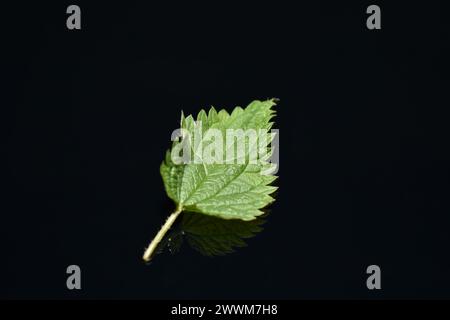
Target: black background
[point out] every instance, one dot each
(364, 173)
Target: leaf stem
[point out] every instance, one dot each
(160, 235)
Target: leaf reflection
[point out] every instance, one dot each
(209, 235)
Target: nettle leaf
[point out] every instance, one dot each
(220, 165)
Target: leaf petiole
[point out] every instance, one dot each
(160, 235)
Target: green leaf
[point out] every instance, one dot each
(227, 182)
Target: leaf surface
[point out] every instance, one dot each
(238, 189)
